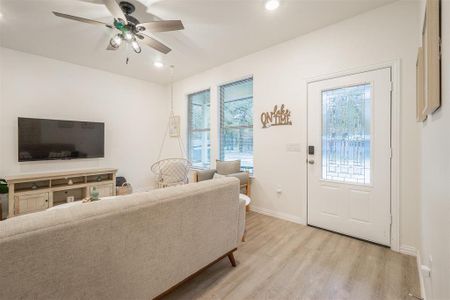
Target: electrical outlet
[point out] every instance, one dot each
(279, 190)
(426, 271)
(430, 263)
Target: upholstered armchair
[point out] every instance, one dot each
(229, 169)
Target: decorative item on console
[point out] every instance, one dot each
(123, 187)
(94, 194)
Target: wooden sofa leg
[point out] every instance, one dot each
(231, 258)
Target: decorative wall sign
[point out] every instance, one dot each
(421, 114)
(431, 37)
(174, 126)
(277, 117)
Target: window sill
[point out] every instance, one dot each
(200, 169)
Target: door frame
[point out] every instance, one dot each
(394, 66)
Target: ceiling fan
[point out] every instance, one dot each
(130, 29)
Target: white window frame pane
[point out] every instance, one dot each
(337, 174)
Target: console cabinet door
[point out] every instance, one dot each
(104, 190)
(30, 203)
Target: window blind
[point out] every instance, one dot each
(236, 122)
(199, 144)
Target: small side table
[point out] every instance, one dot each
(247, 200)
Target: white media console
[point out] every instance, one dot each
(35, 192)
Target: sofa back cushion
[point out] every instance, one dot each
(128, 247)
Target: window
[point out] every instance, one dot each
(199, 146)
(346, 136)
(236, 122)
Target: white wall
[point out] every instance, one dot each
(435, 191)
(280, 73)
(133, 111)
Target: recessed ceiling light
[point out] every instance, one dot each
(272, 4)
(158, 64)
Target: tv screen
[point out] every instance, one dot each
(41, 139)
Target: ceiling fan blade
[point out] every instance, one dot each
(162, 26)
(115, 10)
(157, 45)
(84, 20)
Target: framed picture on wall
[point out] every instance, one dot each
(174, 126)
(421, 114)
(431, 44)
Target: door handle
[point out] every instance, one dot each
(311, 161)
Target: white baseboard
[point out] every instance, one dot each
(408, 250)
(421, 281)
(275, 214)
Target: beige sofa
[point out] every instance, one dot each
(129, 247)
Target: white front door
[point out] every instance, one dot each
(349, 155)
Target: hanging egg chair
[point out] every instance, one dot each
(172, 171)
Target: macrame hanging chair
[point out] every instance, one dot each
(171, 171)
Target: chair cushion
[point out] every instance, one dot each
(205, 174)
(242, 176)
(228, 167)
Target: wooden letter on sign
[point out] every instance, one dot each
(277, 117)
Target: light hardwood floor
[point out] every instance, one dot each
(284, 260)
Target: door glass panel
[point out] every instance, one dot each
(346, 134)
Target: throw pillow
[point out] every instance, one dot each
(218, 176)
(228, 167)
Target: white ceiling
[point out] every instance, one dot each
(216, 31)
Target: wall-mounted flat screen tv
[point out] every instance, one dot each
(42, 139)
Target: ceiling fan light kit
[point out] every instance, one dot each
(130, 29)
(136, 46)
(158, 64)
(272, 4)
(116, 41)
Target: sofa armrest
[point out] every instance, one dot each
(202, 175)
